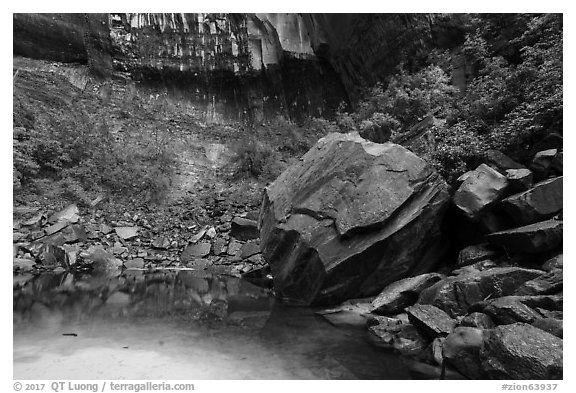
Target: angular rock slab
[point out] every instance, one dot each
(403, 293)
(534, 238)
(456, 294)
(127, 233)
(244, 229)
(478, 320)
(462, 350)
(482, 188)
(521, 351)
(547, 284)
(431, 320)
(71, 214)
(519, 179)
(540, 202)
(350, 218)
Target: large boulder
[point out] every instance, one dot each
(534, 238)
(540, 202)
(403, 293)
(456, 294)
(430, 320)
(350, 218)
(482, 188)
(547, 284)
(462, 350)
(521, 351)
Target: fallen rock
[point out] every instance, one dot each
(136, 263)
(461, 349)
(248, 249)
(509, 309)
(534, 238)
(547, 284)
(198, 250)
(350, 313)
(551, 325)
(500, 161)
(75, 233)
(403, 338)
(52, 229)
(476, 253)
(234, 248)
(542, 201)
(431, 320)
(556, 262)
(456, 294)
(53, 257)
(484, 187)
(126, 233)
(540, 165)
(403, 293)
(244, 229)
(72, 252)
(478, 320)
(519, 179)
(350, 218)
(100, 259)
(161, 243)
(70, 214)
(105, 229)
(219, 246)
(521, 351)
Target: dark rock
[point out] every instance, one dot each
(70, 214)
(509, 309)
(461, 349)
(403, 293)
(542, 201)
(556, 262)
(390, 322)
(75, 233)
(456, 294)
(547, 284)
(519, 179)
(557, 164)
(541, 162)
(534, 238)
(492, 221)
(161, 243)
(521, 351)
(478, 320)
(126, 233)
(53, 256)
(551, 325)
(347, 314)
(431, 320)
(484, 187)
(500, 161)
(350, 218)
(244, 229)
(248, 249)
(476, 267)
(253, 215)
(198, 250)
(374, 133)
(476, 253)
(72, 252)
(550, 141)
(234, 248)
(136, 263)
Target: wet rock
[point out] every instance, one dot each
(404, 338)
(542, 201)
(456, 294)
(500, 161)
(478, 320)
(540, 165)
(476, 253)
(554, 263)
(509, 309)
(350, 218)
(127, 233)
(461, 350)
(70, 214)
(403, 293)
(484, 187)
(136, 263)
(551, 325)
(519, 179)
(100, 259)
(161, 243)
(198, 250)
(521, 351)
(430, 320)
(547, 284)
(347, 314)
(244, 229)
(248, 249)
(534, 238)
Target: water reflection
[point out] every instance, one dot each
(179, 325)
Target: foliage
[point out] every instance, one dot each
(253, 159)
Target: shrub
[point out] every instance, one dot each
(254, 159)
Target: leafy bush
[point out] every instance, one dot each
(254, 159)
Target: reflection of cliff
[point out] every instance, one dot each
(191, 295)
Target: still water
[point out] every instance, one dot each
(179, 325)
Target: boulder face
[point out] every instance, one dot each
(521, 351)
(350, 218)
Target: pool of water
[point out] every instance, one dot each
(180, 325)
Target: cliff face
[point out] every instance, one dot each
(244, 66)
